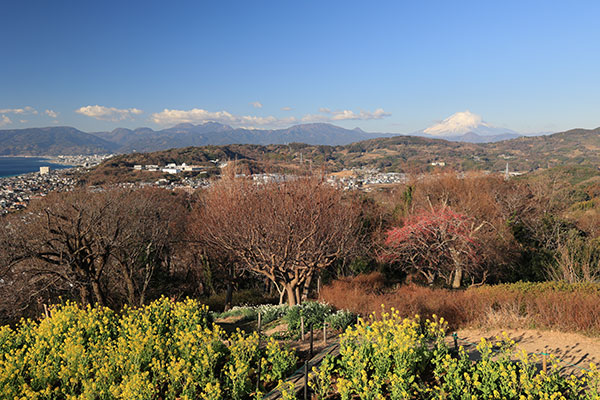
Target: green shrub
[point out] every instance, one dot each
(270, 312)
(247, 313)
(341, 319)
(314, 314)
(240, 298)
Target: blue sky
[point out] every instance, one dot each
(383, 66)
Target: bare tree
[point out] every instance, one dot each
(81, 240)
(71, 235)
(285, 231)
(153, 224)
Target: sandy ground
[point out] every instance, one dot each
(571, 348)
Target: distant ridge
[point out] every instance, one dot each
(212, 133)
(51, 141)
(68, 140)
(472, 137)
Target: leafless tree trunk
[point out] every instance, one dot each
(285, 231)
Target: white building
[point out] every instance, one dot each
(191, 168)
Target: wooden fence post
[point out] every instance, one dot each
(544, 363)
(306, 380)
(259, 322)
(311, 341)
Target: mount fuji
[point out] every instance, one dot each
(467, 127)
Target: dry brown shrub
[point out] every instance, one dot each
(366, 295)
(501, 306)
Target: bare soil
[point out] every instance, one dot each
(575, 351)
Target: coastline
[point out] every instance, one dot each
(24, 168)
(51, 159)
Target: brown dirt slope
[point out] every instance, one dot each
(574, 351)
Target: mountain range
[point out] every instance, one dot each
(461, 127)
(53, 141)
(213, 133)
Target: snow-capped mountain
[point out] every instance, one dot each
(467, 127)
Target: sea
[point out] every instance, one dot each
(12, 166)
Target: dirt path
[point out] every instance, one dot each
(571, 348)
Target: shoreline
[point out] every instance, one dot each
(52, 159)
(55, 165)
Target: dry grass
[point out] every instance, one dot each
(573, 308)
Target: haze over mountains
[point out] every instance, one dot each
(462, 126)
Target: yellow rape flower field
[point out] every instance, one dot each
(400, 358)
(166, 350)
(171, 350)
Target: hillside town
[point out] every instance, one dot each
(80, 160)
(17, 191)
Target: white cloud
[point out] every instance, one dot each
(21, 111)
(286, 108)
(198, 116)
(4, 120)
(51, 113)
(316, 118)
(108, 113)
(344, 115)
(256, 104)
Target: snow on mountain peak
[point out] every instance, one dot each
(458, 123)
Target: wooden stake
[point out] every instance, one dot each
(46, 310)
(311, 341)
(305, 380)
(544, 363)
(455, 336)
(324, 333)
(258, 376)
(302, 326)
(259, 322)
